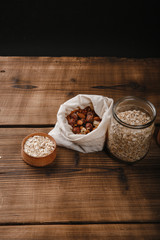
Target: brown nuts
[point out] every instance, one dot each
(81, 115)
(74, 115)
(97, 119)
(89, 126)
(89, 118)
(76, 130)
(80, 122)
(71, 121)
(83, 121)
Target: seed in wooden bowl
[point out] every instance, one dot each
(38, 146)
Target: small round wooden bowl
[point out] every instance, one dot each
(38, 161)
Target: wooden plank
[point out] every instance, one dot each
(32, 88)
(80, 232)
(77, 187)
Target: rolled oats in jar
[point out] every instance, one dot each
(131, 128)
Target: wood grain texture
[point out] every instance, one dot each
(77, 187)
(32, 88)
(82, 196)
(81, 232)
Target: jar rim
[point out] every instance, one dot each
(138, 99)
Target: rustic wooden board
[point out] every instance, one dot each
(79, 196)
(76, 187)
(32, 88)
(81, 232)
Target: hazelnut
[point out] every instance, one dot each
(81, 115)
(97, 119)
(89, 126)
(80, 122)
(89, 118)
(76, 130)
(74, 115)
(71, 121)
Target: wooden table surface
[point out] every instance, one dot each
(79, 196)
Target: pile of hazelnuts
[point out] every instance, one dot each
(83, 121)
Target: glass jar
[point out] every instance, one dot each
(131, 128)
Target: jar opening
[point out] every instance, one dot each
(131, 103)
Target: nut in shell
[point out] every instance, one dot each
(83, 121)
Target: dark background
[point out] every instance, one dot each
(80, 28)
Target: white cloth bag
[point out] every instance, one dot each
(91, 142)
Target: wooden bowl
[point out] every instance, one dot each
(38, 161)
